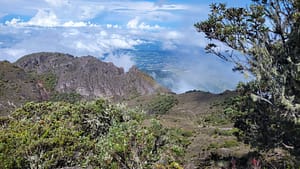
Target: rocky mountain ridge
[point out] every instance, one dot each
(40, 76)
(90, 77)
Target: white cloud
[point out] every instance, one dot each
(71, 32)
(113, 26)
(171, 39)
(13, 22)
(149, 27)
(90, 47)
(44, 18)
(109, 25)
(144, 6)
(74, 24)
(47, 19)
(79, 41)
(85, 10)
(169, 45)
(11, 54)
(174, 35)
(172, 7)
(118, 41)
(103, 33)
(124, 60)
(89, 11)
(135, 24)
(57, 3)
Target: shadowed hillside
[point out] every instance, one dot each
(16, 87)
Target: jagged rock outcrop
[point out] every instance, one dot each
(90, 77)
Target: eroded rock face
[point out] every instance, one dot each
(90, 77)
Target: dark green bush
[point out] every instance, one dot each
(66, 97)
(161, 104)
(49, 80)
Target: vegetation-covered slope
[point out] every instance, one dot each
(207, 120)
(94, 135)
(16, 87)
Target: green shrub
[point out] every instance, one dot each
(230, 144)
(49, 80)
(139, 147)
(161, 104)
(213, 146)
(229, 132)
(225, 116)
(91, 134)
(217, 118)
(66, 97)
(187, 133)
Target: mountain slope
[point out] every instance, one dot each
(201, 116)
(90, 77)
(16, 87)
(57, 76)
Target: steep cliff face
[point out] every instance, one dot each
(90, 77)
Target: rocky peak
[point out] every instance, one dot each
(90, 77)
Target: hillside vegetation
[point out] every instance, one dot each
(86, 135)
(16, 87)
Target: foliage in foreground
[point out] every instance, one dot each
(93, 134)
(264, 132)
(267, 36)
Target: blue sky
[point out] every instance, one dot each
(100, 27)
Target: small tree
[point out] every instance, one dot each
(267, 37)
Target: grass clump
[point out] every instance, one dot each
(213, 146)
(230, 144)
(227, 132)
(225, 144)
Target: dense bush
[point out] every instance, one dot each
(161, 104)
(93, 134)
(49, 80)
(66, 97)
